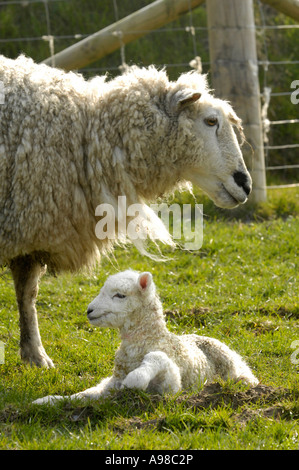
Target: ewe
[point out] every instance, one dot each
(150, 357)
(68, 145)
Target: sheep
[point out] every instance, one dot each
(150, 357)
(68, 146)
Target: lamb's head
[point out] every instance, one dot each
(212, 157)
(122, 295)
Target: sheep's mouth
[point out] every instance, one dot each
(227, 200)
(235, 201)
(226, 195)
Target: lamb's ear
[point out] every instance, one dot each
(144, 281)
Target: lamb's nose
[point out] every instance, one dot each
(241, 180)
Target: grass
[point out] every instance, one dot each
(240, 287)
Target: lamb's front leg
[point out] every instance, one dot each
(157, 373)
(102, 390)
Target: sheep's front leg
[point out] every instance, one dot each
(26, 272)
(157, 373)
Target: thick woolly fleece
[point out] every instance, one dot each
(150, 357)
(68, 145)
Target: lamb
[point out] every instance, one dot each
(68, 145)
(150, 357)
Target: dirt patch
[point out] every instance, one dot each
(273, 412)
(82, 414)
(193, 311)
(137, 423)
(281, 311)
(9, 414)
(214, 395)
(261, 327)
(197, 315)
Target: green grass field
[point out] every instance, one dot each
(240, 287)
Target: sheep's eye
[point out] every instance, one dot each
(213, 121)
(119, 296)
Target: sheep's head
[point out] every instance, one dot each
(212, 156)
(121, 296)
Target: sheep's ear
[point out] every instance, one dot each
(181, 99)
(188, 98)
(144, 281)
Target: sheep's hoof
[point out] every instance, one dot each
(37, 357)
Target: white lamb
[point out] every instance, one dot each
(150, 357)
(68, 145)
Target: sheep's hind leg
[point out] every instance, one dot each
(26, 271)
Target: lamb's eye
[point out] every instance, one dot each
(118, 296)
(212, 121)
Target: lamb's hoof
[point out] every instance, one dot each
(37, 357)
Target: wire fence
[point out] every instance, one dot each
(192, 29)
(267, 96)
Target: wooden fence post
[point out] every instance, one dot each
(127, 29)
(234, 70)
(288, 7)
